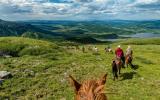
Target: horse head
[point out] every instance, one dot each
(90, 89)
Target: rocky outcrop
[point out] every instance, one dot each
(5, 75)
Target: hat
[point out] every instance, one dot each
(129, 46)
(118, 46)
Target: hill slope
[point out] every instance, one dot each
(45, 76)
(8, 28)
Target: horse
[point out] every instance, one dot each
(95, 49)
(128, 60)
(116, 67)
(89, 89)
(108, 50)
(114, 70)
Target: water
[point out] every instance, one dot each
(137, 35)
(142, 35)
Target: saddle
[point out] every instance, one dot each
(118, 60)
(129, 55)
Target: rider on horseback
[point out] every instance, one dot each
(129, 51)
(128, 57)
(119, 54)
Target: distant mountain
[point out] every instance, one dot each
(78, 31)
(10, 28)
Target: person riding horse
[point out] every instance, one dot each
(119, 54)
(129, 51)
(128, 56)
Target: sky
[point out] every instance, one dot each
(79, 9)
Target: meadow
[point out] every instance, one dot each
(40, 69)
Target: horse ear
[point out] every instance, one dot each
(74, 83)
(102, 81)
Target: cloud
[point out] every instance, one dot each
(79, 9)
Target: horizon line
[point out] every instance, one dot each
(83, 20)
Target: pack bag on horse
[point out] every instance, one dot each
(108, 49)
(120, 55)
(95, 49)
(129, 57)
(89, 89)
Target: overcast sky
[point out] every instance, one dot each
(79, 9)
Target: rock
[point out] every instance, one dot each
(7, 56)
(5, 74)
(1, 81)
(1, 53)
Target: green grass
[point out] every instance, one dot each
(25, 46)
(45, 76)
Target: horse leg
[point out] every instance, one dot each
(123, 64)
(127, 65)
(116, 75)
(119, 69)
(131, 64)
(113, 72)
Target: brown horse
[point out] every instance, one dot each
(117, 64)
(128, 60)
(90, 89)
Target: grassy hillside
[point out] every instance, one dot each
(15, 46)
(12, 28)
(44, 76)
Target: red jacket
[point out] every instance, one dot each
(119, 52)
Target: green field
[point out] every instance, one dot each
(40, 70)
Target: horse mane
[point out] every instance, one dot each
(91, 88)
(88, 85)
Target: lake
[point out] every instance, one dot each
(137, 35)
(141, 35)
